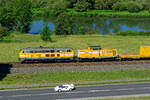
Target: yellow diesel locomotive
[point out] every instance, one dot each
(96, 52)
(46, 54)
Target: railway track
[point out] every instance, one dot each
(68, 64)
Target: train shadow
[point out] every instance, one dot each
(4, 70)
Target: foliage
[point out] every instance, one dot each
(45, 34)
(64, 24)
(71, 3)
(3, 32)
(16, 15)
(90, 32)
(136, 7)
(59, 7)
(81, 30)
(104, 4)
(82, 6)
(39, 3)
(131, 6)
(120, 6)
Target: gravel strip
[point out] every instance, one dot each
(79, 68)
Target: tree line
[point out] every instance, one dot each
(85, 5)
(16, 15)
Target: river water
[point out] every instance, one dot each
(99, 24)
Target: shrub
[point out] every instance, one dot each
(45, 34)
(134, 6)
(59, 7)
(104, 4)
(91, 32)
(64, 24)
(3, 32)
(120, 6)
(82, 6)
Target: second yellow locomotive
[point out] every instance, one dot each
(96, 52)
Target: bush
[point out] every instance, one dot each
(91, 32)
(59, 7)
(134, 6)
(45, 34)
(104, 4)
(131, 6)
(64, 24)
(82, 6)
(120, 6)
(3, 32)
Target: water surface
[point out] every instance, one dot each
(99, 24)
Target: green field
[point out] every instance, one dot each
(124, 44)
(66, 77)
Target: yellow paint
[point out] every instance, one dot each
(101, 53)
(144, 53)
(62, 54)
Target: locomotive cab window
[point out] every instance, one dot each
(69, 50)
(95, 47)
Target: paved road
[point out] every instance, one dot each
(100, 91)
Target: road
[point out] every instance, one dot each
(81, 92)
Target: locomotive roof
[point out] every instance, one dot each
(94, 46)
(46, 48)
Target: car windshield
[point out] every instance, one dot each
(61, 86)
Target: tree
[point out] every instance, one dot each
(82, 5)
(16, 15)
(59, 6)
(64, 24)
(3, 32)
(104, 4)
(45, 34)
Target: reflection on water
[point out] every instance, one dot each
(101, 25)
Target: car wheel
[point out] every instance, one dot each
(70, 89)
(59, 90)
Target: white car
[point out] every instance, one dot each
(65, 87)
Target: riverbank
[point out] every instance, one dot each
(99, 13)
(124, 44)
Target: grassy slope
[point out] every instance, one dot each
(131, 98)
(124, 44)
(65, 77)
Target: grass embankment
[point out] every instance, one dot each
(101, 13)
(124, 44)
(66, 77)
(129, 98)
